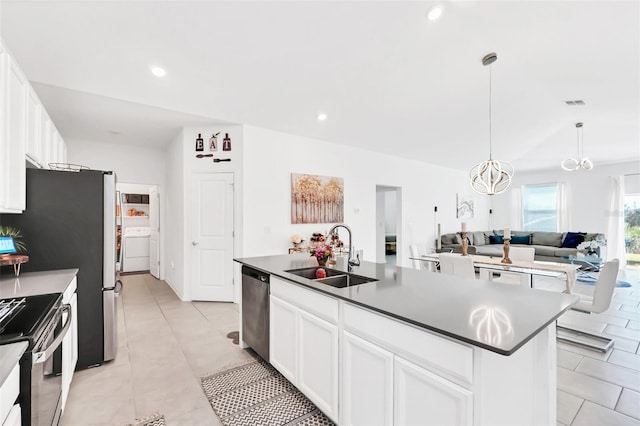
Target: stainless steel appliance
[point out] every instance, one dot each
(70, 222)
(255, 310)
(38, 321)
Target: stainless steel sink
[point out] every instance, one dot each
(346, 280)
(310, 273)
(334, 278)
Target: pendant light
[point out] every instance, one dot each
(580, 162)
(491, 177)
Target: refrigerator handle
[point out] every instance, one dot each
(118, 288)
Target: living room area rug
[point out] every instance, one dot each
(255, 393)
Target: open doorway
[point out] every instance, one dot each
(137, 229)
(388, 224)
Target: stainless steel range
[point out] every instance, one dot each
(38, 321)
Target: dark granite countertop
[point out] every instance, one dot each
(497, 317)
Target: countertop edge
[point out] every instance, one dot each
(38, 282)
(505, 352)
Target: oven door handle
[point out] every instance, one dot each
(40, 357)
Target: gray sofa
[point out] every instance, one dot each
(550, 246)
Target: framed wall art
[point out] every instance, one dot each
(464, 206)
(316, 199)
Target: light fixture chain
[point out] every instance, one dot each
(490, 124)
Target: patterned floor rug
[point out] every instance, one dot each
(256, 394)
(152, 420)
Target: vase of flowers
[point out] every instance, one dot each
(322, 254)
(589, 247)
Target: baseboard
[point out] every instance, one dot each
(173, 287)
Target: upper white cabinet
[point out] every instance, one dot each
(26, 133)
(14, 138)
(33, 128)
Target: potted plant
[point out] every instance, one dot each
(8, 231)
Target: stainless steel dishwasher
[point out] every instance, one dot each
(255, 310)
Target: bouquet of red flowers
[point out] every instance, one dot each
(321, 252)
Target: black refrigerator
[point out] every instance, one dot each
(70, 222)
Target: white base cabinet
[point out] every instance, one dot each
(367, 383)
(70, 341)
(303, 345)
(420, 396)
(364, 368)
(318, 362)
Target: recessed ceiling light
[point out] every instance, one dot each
(434, 13)
(158, 72)
(322, 116)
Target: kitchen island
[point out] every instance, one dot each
(414, 347)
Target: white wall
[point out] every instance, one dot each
(174, 214)
(390, 212)
(132, 164)
(270, 157)
(588, 194)
(182, 164)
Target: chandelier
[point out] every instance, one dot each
(572, 164)
(491, 177)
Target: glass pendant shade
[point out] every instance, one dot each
(580, 162)
(492, 176)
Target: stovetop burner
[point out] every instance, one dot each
(24, 318)
(9, 309)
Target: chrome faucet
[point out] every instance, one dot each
(351, 261)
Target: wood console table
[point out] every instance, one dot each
(14, 259)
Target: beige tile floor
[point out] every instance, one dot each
(165, 345)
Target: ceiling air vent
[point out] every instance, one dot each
(575, 103)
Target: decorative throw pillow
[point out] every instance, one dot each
(553, 239)
(447, 239)
(521, 239)
(496, 239)
(573, 239)
(478, 238)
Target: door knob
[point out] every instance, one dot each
(195, 243)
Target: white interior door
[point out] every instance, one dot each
(212, 237)
(154, 224)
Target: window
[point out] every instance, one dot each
(539, 207)
(632, 229)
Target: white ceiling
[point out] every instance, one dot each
(389, 79)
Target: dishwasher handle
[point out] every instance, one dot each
(255, 274)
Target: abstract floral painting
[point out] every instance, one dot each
(316, 199)
(464, 206)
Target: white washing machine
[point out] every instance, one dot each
(135, 248)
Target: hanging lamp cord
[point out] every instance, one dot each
(490, 124)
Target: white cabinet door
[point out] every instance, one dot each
(4, 71)
(70, 341)
(54, 156)
(45, 138)
(74, 332)
(421, 397)
(282, 337)
(33, 129)
(318, 362)
(14, 173)
(367, 383)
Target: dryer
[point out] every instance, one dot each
(135, 248)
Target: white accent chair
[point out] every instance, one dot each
(522, 254)
(456, 264)
(602, 294)
(417, 250)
